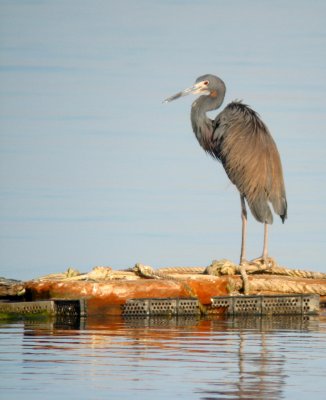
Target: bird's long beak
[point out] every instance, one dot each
(195, 89)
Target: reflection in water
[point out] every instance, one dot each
(259, 373)
(234, 358)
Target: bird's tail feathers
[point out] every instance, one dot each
(261, 210)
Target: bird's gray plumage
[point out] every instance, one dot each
(241, 141)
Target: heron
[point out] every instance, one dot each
(240, 140)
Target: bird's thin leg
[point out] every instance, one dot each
(264, 260)
(265, 248)
(244, 230)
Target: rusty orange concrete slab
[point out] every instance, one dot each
(106, 297)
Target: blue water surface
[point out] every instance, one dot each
(95, 170)
(185, 358)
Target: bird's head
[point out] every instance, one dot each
(209, 85)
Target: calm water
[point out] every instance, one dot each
(95, 170)
(279, 358)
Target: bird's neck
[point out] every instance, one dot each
(201, 124)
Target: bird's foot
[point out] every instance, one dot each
(244, 261)
(266, 262)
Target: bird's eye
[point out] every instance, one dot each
(206, 83)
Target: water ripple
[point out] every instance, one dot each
(177, 358)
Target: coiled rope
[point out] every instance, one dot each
(222, 267)
(263, 267)
(269, 267)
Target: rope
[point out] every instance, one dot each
(182, 270)
(244, 276)
(11, 287)
(297, 273)
(226, 267)
(148, 272)
(217, 268)
(282, 286)
(71, 272)
(96, 274)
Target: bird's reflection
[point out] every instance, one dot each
(243, 360)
